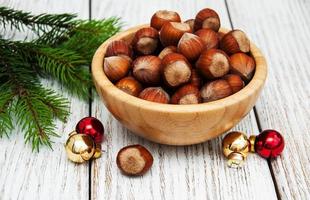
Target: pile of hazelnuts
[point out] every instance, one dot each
(178, 62)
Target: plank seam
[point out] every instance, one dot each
(228, 13)
(268, 160)
(90, 113)
(257, 119)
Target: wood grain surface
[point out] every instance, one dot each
(48, 174)
(193, 172)
(282, 29)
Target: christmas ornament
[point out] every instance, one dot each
(235, 148)
(84, 143)
(92, 127)
(81, 148)
(269, 144)
(236, 145)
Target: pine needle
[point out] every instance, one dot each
(62, 50)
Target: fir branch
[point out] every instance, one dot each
(33, 113)
(38, 24)
(57, 104)
(89, 35)
(6, 100)
(62, 50)
(67, 67)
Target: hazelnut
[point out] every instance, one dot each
(243, 65)
(166, 51)
(235, 82)
(134, 160)
(176, 69)
(215, 90)
(207, 18)
(190, 46)
(155, 94)
(190, 22)
(118, 48)
(235, 41)
(187, 94)
(213, 63)
(116, 67)
(145, 41)
(130, 86)
(220, 35)
(171, 32)
(163, 16)
(147, 69)
(209, 38)
(195, 79)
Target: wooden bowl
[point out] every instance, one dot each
(176, 124)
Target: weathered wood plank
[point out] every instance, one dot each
(193, 172)
(47, 174)
(282, 29)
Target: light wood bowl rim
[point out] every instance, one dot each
(109, 88)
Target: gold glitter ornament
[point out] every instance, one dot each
(81, 148)
(235, 147)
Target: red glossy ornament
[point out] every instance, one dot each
(269, 144)
(92, 127)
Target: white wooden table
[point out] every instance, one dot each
(281, 28)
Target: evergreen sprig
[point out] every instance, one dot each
(62, 49)
(39, 24)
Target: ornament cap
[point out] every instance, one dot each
(252, 139)
(97, 153)
(72, 133)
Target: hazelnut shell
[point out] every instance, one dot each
(190, 46)
(118, 48)
(129, 85)
(190, 22)
(134, 160)
(215, 90)
(147, 69)
(209, 38)
(207, 18)
(235, 41)
(242, 65)
(116, 67)
(176, 70)
(163, 16)
(166, 51)
(213, 63)
(171, 32)
(235, 82)
(155, 94)
(195, 79)
(145, 41)
(187, 94)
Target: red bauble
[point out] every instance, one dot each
(92, 127)
(269, 144)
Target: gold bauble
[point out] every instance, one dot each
(235, 147)
(80, 147)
